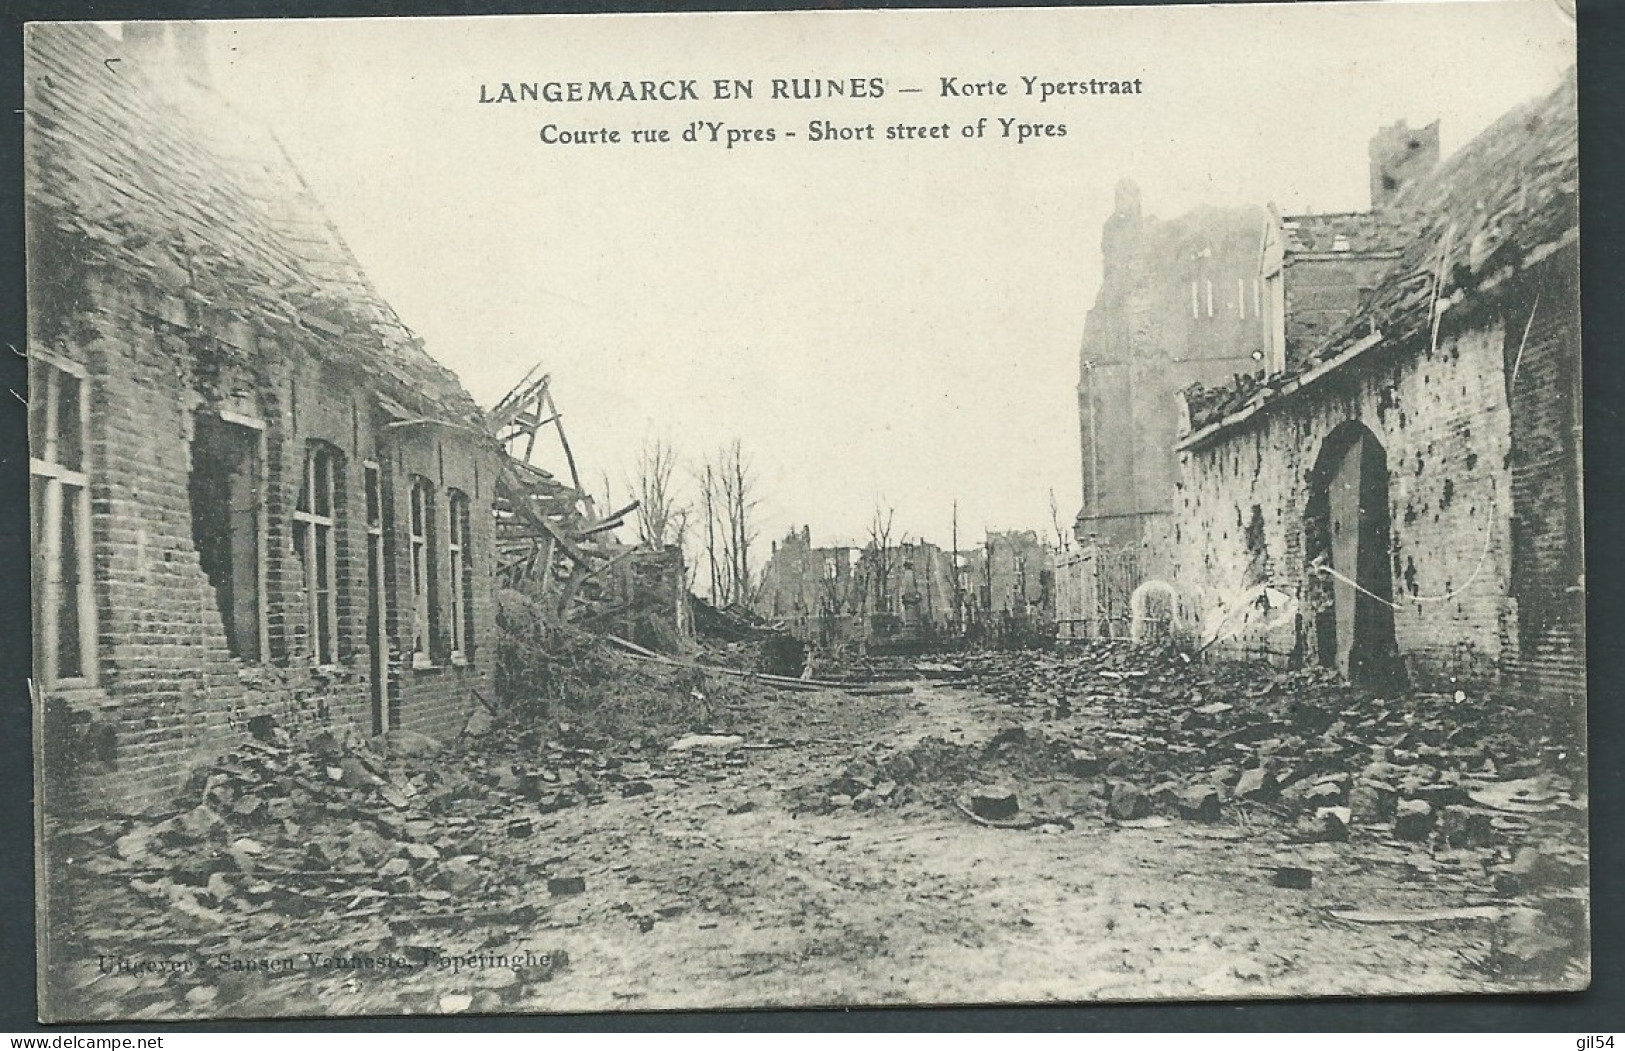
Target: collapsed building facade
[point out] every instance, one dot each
(554, 547)
(256, 499)
(1398, 495)
(1010, 586)
(842, 593)
(913, 591)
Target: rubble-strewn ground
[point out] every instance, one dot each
(1176, 830)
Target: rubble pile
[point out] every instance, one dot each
(934, 768)
(1156, 733)
(400, 844)
(323, 842)
(381, 841)
(548, 673)
(1165, 713)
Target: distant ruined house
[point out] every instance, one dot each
(255, 498)
(847, 592)
(1398, 494)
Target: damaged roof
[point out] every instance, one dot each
(1361, 233)
(136, 168)
(1505, 199)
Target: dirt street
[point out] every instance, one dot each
(754, 904)
(782, 866)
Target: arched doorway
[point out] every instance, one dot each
(1347, 530)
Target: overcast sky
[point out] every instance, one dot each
(895, 321)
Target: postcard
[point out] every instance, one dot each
(576, 513)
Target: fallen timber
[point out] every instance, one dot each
(781, 682)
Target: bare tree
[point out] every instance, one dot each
(738, 487)
(728, 498)
(836, 583)
(660, 518)
(709, 503)
(1061, 539)
(881, 555)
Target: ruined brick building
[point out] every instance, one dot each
(256, 498)
(1009, 584)
(1404, 476)
(846, 592)
(912, 590)
(1178, 304)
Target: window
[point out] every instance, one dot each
(64, 604)
(1209, 297)
(314, 539)
(377, 604)
(224, 490)
(422, 540)
(1275, 324)
(459, 553)
(1196, 302)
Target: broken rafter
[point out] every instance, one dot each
(506, 411)
(614, 520)
(523, 412)
(518, 500)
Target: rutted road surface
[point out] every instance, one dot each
(920, 905)
(824, 858)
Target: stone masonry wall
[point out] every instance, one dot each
(1442, 418)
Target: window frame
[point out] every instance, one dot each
(459, 558)
(45, 524)
(315, 539)
(421, 563)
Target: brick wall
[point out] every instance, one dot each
(1322, 294)
(437, 700)
(1177, 305)
(1482, 438)
(1442, 419)
(171, 695)
(1548, 547)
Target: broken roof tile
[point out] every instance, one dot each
(120, 152)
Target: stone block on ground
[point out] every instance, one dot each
(1128, 802)
(1255, 785)
(1413, 820)
(994, 805)
(560, 886)
(1372, 800)
(1328, 824)
(1465, 826)
(1200, 803)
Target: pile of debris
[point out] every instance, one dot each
(937, 771)
(1150, 733)
(397, 844)
(1173, 735)
(548, 673)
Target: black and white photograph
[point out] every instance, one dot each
(641, 512)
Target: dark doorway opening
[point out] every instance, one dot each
(224, 489)
(1348, 531)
